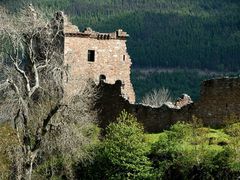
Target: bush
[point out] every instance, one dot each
(185, 152)
(233, 130)
(8, 141)
(123, 152)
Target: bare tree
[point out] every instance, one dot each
(157, 98)
(33, 55)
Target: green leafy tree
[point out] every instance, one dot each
(123, 153)
(126, 149)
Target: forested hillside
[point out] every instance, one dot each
(203, 34)
(178, 34)
(177, 82)
(48, 132)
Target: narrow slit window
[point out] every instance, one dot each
(124, 57)
(91, 55)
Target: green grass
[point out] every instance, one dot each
(201, 138)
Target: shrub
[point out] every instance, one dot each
(233, 130)
(187, 151)
(8, 141)
(123, 152)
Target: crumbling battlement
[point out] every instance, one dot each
(89, 33)
(71, 30)
(97, 56)
(219, 101)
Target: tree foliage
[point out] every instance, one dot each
(185, 151)
(177, 82)
(45, 119)
(190, 151)
(123, 152)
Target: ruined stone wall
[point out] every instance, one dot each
(111, 60)
(219, 102)
(111, 103)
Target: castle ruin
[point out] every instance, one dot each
(218, 105)
(103, 58)
(97, 56)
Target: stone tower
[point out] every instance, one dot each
(98, 56)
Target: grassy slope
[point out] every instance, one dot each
(198, 145)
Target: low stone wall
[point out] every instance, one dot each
(111, 103)
(219, 101)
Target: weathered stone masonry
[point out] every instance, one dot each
(103, 58)
(219, 102)
(98, 56)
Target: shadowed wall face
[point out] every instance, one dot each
(219, 102)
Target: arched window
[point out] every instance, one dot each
(102, 78)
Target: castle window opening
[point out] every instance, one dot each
(102, 78)
(124, 57)
(123, 84)
(91, 55)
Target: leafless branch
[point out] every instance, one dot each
(157, 98)
(36, 99)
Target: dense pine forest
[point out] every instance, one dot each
(203, 34)
(182, 34)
